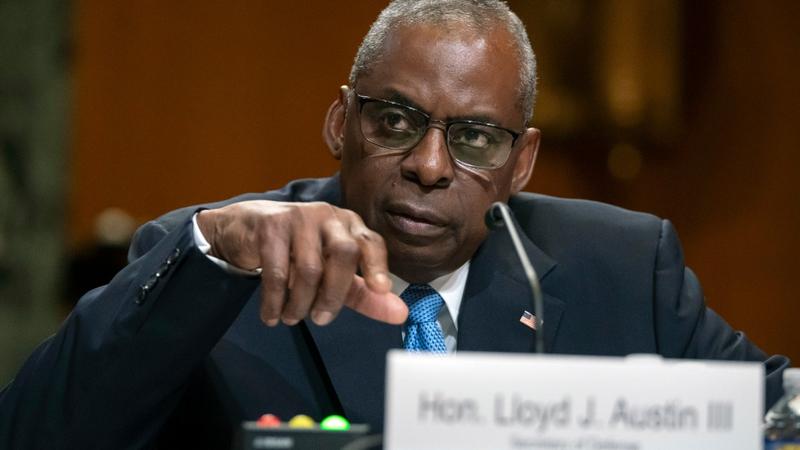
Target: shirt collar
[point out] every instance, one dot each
(450, 286)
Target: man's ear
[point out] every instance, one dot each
(523, 168)
(333, 129)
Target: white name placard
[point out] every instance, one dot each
(509, 401)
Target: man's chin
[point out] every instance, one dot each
(420, 264)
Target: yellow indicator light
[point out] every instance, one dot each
(301, 421)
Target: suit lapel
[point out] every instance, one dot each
(353, 349)
(496, 295)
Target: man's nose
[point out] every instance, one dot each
(429, 163)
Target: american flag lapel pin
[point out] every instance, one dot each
(528, 319)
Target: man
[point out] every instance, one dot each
(286, 302)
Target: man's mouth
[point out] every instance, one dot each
(415, 221)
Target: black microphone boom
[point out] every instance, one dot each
(498, 215)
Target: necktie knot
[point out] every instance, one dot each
(423, 303)
(421, 329)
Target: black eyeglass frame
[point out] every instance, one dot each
(445, 126)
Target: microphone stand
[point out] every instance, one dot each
(498, 215)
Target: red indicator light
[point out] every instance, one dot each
(268, 421)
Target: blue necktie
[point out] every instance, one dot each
(422, 330)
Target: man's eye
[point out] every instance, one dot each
(395, 120)
(473, 137)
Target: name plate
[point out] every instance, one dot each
(509, 401)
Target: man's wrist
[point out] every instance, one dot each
(204, 246)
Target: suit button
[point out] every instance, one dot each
(173, 257)
(151, 282)
(163, 269)
(140, 298)
(145, 289)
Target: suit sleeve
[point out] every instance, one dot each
(114, 371)
(687, 328)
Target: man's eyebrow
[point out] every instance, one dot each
(398, 97)
(476, 118)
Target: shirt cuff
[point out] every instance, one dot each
(204, 247)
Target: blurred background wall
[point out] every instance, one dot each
(681, 108)
(34, 136)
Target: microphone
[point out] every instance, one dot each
(499, 216)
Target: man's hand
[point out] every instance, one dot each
(309, 254)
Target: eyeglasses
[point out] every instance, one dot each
(396, 126)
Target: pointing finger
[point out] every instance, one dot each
(385, 307)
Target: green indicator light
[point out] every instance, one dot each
(334, 423)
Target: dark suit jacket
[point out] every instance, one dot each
(172, 350)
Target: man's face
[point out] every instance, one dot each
(428, 207)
